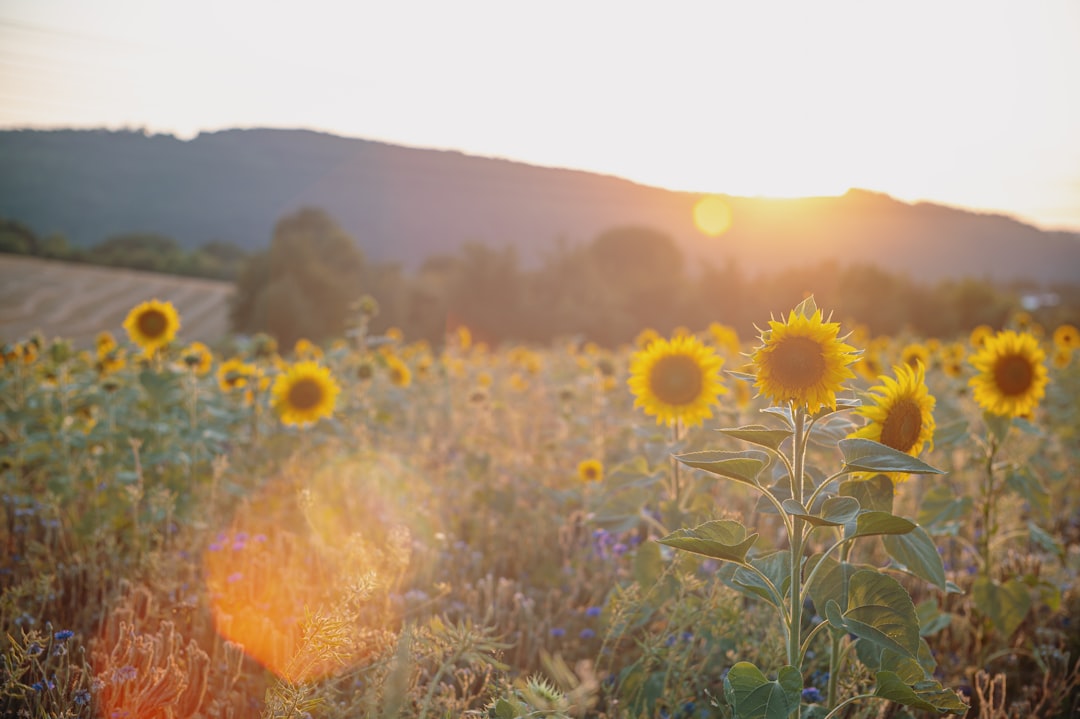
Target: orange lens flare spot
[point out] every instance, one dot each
(712, 216)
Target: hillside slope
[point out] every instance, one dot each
(406, 204)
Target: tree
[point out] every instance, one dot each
(303, 285)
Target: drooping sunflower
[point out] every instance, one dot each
(802, 360)
(901, 415)
(1011, 375)
(677, 379)
(152, 325)
(304, 393)
(590, 470)
(399, 372)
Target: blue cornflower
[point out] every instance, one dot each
(593, 612)
(587, 633)
(82, 697)
(811, 695)
(557, 632)
(63, 635)
(34, 649)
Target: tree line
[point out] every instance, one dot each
(308, 281)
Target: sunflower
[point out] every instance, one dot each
(1067, 337)
(979, 335)
(803, 361)
(304, 393)
(152, 325)
(590, 470)
(915, 354)
(199, 358)
(234, 374)
(400, 375)
(901, 416)
(1061, 358)
(1011, 375)
(676, 379)
(305, 349)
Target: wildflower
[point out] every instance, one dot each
(812, 695)
(802, 360)
(152, 325)
(557, 632)
(593, 612)
(304, 394)
(82, 697)
(1011, 375)
(676, 379)
(587, 633)
(63, 635)
(590, 470)
(901, 416)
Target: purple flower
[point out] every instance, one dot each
(557, 632)
(63, 635)
(593, 612)
(587, 633)
(811, 695)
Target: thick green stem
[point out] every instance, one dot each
(834, 667)
(988, 508)
(797, 532)
(676, 488)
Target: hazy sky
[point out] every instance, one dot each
(974, 104)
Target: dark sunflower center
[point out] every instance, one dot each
(590, 473)
(397, 376)
(797, 363)
(903, 426)
(152, 323)
(305, 394)
(1013, 375)
(676, 380)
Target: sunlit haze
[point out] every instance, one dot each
(971, 104)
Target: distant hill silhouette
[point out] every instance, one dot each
(405, 204)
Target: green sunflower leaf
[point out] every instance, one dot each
(1005, 605)
(927, 695)
(866, 455)
(918, 553)
(741, 466)
(723, 539)
(760, 435)
(752, 696)
(871, 523)
(880, 611)
(875, 493)
(835, 511)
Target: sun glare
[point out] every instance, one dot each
(712, 215)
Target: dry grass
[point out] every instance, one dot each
(76, 301)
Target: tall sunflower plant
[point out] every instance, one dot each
(860, 613)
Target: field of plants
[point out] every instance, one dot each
(810, 522)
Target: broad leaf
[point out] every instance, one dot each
(931, 619)
(752, 696)
(926, 695)
(1022, 481)
(942, 511)
(866, 455)
(1005, 605)
(835, 511)
(1043, 538)
(760, 435)
(741, 466)
(997, 425)
(876, 658)
(918, 553)
(776, 566)
(879, 610)
(723, 539)
(874, 493)
(831, 581)
(868, 524)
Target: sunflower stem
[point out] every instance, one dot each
(675, 476)
(796, 539)
(988, 507)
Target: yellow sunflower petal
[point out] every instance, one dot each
(677, 379)
(1011, 375)
(304, 393)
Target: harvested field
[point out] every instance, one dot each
(77, 301)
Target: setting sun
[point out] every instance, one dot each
(712, 215)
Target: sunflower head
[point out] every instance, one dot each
(198, 358)
(1061, 357)
(900, 415)
(677, 379)
(304, 393)
(1011, 374)
(399, 372)
(590, 470)
(915, 354)
(234, 374)
(152, 325)
(802, 360)
(1067, 337)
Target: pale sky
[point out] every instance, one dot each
(967, 103)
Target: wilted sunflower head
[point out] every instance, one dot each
(901, 413)
(152, 325)
(304, 393)
(802, 360)
(1011, 375)
(677, 379)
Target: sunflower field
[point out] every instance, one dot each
(811, 522)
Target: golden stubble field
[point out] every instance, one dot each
(77, 301)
